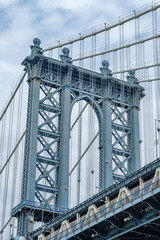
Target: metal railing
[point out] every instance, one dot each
(110, 210)
(36, 205)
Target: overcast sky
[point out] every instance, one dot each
(49, 20)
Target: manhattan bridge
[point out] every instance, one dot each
(79, 136)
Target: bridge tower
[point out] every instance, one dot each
(54, 87)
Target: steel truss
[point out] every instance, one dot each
(54, 87)
(135, 216)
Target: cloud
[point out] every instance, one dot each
(7, 3)
(50, 21)
(70, 5)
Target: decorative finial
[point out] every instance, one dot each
(104, 69)
(65, 51)
(131, 77)
(36, 49)
(36, 42)
(131, 73)
(65, 55)
(105, 64)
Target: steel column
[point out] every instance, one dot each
(64, 145)
(107, 126)
(107, 141)
(135, 137)
(26, 218)
(32, 149)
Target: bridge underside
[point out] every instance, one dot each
(148, 231)
(135, 214)
(138, 225)
(140, 221)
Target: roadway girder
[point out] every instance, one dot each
(134, 213)
(116, 222)
(99, 230)
(146, 172)
(153, 203)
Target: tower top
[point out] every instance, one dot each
(104, 69)
(36, 49)
(65, 58)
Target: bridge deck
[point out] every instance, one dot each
(117, 211)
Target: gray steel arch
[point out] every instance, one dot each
(53, 88)
(98, 111)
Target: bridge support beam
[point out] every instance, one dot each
(64, 145)
(32, 140)
(107, 126)
(107, 143)
(135, 137)
(26, 218)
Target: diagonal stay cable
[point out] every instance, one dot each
(5, 225)
(79, 115)
(11, 154)
(13, 94)
(87, 148)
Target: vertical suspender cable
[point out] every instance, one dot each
(105, 41)
(2, 142)
(59, 50)
(108, 40)
(4, 204)
(122, 43)
(79, 152)
(156, 85)
(16, 177)
(120, 51)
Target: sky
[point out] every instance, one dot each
(49, 20)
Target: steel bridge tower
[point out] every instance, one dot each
(54, 87)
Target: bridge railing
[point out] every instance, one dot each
(114, 208)
(36, 205)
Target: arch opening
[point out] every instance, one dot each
(84, 150)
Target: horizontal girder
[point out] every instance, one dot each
(127, 208)
(45, 188)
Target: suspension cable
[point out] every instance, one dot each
(13, 94)
(6, 180)
(84, 152)
(11, 154)
(109, 25)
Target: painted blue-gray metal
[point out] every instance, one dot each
(133, 179)
(113, 101)
(116, 213)
(135, 140)
(29, 167)
(39, 206)
(18, 238)
(65, 136)
(107, 135)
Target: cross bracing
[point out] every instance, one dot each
(54, 88)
